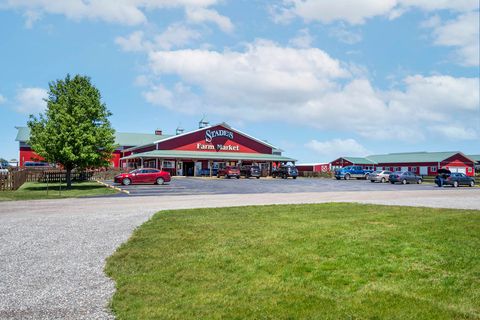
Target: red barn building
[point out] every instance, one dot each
(190, 153)
(313, 167)
(422, 163)
(204, 150)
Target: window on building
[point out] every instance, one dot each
(168, 164)
(414, 169)
(433, 169)
(469, 169)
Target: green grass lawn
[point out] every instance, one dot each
(36, 190)
(327, 261)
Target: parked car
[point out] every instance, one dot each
(144, 175)
(404, 177)
(37, 164)
(454, 179)
(285, 171)
(352, 172)
(250, 171)
(229, 172)
(379, 176)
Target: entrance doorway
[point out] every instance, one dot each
(188, 168)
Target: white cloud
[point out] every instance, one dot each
(345, 35)
(200, 15)
(352, 12)
(125, 12)
(332, 149)
(2, 99)
(176, 35)
(455, 132)
(461, 33)
(134, 42)
(31, 100)
(267, 82)
(303, 39)
(357, 12)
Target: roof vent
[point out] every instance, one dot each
(179, 130)
(203, 123)
(158, 132)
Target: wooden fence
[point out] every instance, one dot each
(15, 179)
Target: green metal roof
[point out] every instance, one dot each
(407, 157)
(200, 155)
(359, 160)
(121, 138)
(475, 157)
(23, 134)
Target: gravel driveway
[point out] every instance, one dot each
(52, 252)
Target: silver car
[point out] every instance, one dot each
(379, 176)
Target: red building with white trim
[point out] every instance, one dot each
(204, 150)
(422, 163)
(313, 167)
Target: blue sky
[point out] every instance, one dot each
(318, 79)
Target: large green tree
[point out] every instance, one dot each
(74, 131)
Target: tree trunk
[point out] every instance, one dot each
(69, 178)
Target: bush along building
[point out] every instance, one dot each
(422, 163)
(200, 151)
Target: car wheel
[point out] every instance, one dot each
(372, 180)
(472, 184)
(392, 182)
(404, 181)
(218, 176)
(258, 177)
(367, 176)
(455, 184)
(419, 181)
(337, 178)
(126, 181)
(384, 180)
(238, 177)
(347, 177)
(160, 181)
(227, 176)
(294, 177)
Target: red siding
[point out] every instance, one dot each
(189, 142)
(145, 149)
(27, 154)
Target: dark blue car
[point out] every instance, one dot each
(454, 179)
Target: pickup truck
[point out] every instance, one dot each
(352, 172)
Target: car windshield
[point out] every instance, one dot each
(377, 171)
(136, 171)
(234, 168)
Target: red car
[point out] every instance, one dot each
(229, 172)
(144, 175)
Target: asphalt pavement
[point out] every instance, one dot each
(211, 186)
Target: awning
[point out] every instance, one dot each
(200, 155)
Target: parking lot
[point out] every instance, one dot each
(198, 186)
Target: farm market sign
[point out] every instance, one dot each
(218, 147)
(210, 135)
(216, 139)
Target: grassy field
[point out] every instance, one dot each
(36, 190)
(327, 261)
